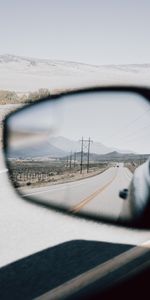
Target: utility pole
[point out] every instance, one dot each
(88, 154)
(67, 161)
(81, 162)
(74, 159)
(70, 159)
(86, 144)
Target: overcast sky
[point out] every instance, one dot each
(120, 120)
(89, 31)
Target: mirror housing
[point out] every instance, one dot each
(48, 170)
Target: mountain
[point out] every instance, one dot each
(65, 144)
(114, 154)
(68, 145)
(23, 74)
(57, 147)
(61, 147)
(122, 156)
(40, 150)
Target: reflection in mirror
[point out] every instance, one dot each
(80, 152)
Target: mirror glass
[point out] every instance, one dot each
(80, 151)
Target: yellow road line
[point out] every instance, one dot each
(83, 202)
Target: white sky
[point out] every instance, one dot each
(89, 31)
(120, 120)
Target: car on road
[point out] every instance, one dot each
(123, 194)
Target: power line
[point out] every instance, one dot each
(88, 156)
(74, 159)
(133, 134)
(85, 144)
(137, 136)
(81, 161)
(70, 161)
(130, 124)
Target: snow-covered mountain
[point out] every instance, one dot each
(22, 74)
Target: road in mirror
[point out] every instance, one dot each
(80, 151)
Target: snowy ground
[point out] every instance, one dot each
(24, 75)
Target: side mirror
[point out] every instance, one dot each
(76, 151)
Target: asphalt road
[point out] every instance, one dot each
(98, 195)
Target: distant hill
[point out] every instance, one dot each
(38, 151)
(57, 147)
(68, 145)
(26, 74)
(112, 156)
(116, 156)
